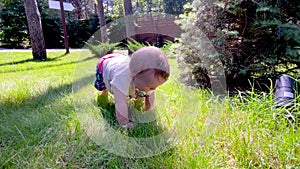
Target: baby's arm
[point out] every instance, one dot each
(121, 108)
(149, 101)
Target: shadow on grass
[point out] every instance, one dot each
(13, 109)
(143, 130)
(19, 135)
(30, 123)
(32, 60)
(47, 66)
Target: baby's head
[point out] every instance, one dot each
(149, 68)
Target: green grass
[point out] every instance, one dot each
(40, 126)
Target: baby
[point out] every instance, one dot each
(132, 77)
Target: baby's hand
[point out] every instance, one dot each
(129, 125)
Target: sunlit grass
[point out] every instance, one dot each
(40, 127)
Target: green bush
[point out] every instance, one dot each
(101, 49)
(14, 33)
(79, 31)
(53, 32)
(133, 45)
(254, 40)
(174, 7)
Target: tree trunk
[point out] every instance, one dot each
(128, 7)
(129, 18)
(104, 37)
(35, 30)
(78, 8)
(86, 10)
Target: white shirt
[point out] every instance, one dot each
(116, 72)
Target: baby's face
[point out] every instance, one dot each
(146, 81)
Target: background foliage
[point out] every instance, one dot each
(13, 24)
(175, 7)
(81, 22)
(15, 32)
(254, 39)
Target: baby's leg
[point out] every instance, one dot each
(102, 98)
(104, 92)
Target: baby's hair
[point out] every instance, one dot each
(158, 73)
(161, 73)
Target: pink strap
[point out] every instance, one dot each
(100, 63)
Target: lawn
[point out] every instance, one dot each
(50, 119)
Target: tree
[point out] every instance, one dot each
(78, 8)
(128, 7)
(129, 18)
(35, 30)
(174, 7)
(255, 40)
(14, 32)
(102, 23)
(117, 8)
